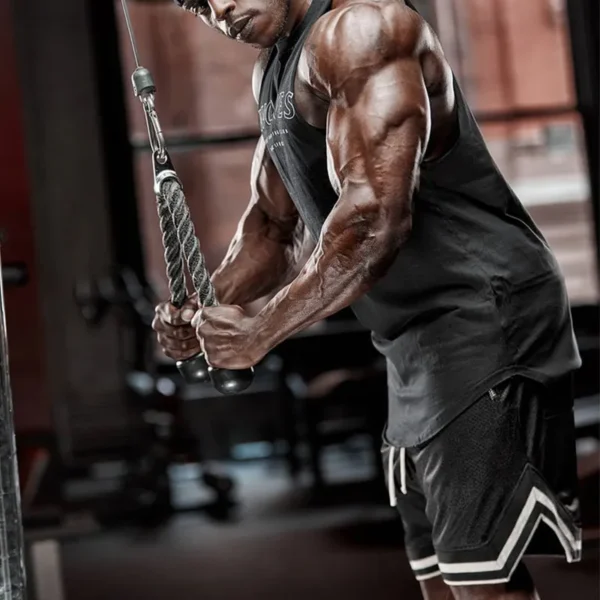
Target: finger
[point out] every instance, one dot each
(178, 345)
(158, 324)
(198, 318)
(228, 360)
(188, 310)
(167, 313)
(173, 315)
(186, 347)
(181, 332)
(180, 355)
(203, 350)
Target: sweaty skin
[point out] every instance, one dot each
(384, 92)
(270, 233)
(363, 60)
(374, 75)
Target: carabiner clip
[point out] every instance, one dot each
(157, 140)
(144, 88)
(163, 170)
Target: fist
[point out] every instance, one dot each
(175, 334)
(230, 338)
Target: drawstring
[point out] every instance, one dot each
(403, 470)
(391, 486)
(391, 482)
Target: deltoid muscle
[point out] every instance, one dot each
(172, 194)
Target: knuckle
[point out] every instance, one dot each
(164, 342)
(183, 333)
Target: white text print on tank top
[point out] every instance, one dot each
(272, 118)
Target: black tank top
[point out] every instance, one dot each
(474, 296)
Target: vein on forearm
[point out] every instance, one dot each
(356, 247)
(260, 259)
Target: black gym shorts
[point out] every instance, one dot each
(473, 497)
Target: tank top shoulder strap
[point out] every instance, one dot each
(281, 52)
(316, 10)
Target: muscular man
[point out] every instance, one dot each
(369, 145)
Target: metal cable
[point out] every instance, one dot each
(172, 192)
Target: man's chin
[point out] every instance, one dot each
(260, 36)
(258, 46)
(252, 44)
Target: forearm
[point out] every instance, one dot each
(354, 252)
(252, 268)
(262, 254)
(260, 262)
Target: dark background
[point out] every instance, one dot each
(77, 208)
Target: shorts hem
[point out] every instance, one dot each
(539, 507)
(426, 567)
(436, 573)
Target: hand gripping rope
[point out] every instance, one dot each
(179, 238)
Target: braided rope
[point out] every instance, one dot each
(173, 254)
(181, 221)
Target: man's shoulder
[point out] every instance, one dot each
(359, 33)
(363, 18)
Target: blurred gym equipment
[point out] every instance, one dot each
(162, 437)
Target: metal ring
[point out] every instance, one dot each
(163, 176)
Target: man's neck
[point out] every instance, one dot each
(298, 9)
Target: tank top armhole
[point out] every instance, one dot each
(459, 110)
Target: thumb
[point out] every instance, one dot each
(197, 319)
(188, 310)
(187, 314)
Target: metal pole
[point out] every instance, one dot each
(12, 563)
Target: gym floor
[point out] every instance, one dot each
(282, 541)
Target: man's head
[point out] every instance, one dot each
(259, 23)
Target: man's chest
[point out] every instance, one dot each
(293, 121)
(287, 94)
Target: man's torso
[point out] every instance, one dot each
(461, 308)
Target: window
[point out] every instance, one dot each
(512, 60)
(204, 93)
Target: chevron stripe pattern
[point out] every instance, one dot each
(531, 506)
